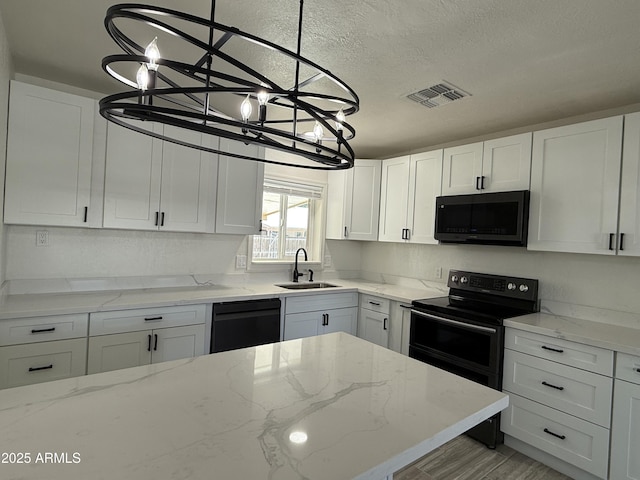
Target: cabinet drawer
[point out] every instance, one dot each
(628, 367)
(319, 302)
(586, 357)
(121, 321)
(40, 329)
(377, 304)
(571, 439)
(577, 392)
(42, 362)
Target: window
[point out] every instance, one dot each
(290, 215)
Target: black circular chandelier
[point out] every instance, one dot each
(301, 107)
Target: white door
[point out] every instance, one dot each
(575, 175)
(394, 197)
(121, 350)
(462, 169)
(341, 320)
(177, 342)
(132, 179)
(506, 163)
(240, 185)
(425, 184)
(629, 236)
(49, 157)
(364, 200)
(373, 327)
(625, 432)
(300, 325)
(189, 182)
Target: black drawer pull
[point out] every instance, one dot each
(149, 343)
(43, 330)
(561, 437)
(638, 370)
(155, 345)
(375, 303)
(552, 386)
(150, 319)
(557, 350)
(36, 369)
(86, 211)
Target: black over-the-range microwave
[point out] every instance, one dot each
(485, 218)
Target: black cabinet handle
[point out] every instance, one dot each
(621, 241)
(149, 343)
(346, 232)
(477, 183)
(552, 386)
(157, 216)
(375, 303)
(155, 345)
(384, 323)
(611, 235)
(482, 183)
(638, 370)
(150, 319)
(561, 437)
(36, 369)
(408, 234)
(86, 212)
(557, 350)
(162, 220)
(43, 330)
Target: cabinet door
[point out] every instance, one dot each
(425, 184)
(176, 343)
(374, 327)
(341, 320)
(629, 241)
(461, 169)
(338, 183)
(575, 175)
(49, 157)
(122, 350)
(300, 325)
(394, 198)
(625, 432)
(240, 184)
(132, 179)
(189, 182)
(506, 163)
(363, 198)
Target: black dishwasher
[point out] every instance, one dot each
(245, 324)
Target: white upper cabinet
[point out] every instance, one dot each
(354, 201)
(49, 157)
(629, 234)
(409, 187)
(240, 185)
(575, 176)
(152, 184)
(498, 165)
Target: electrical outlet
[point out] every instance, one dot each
(327, 261)
(42, 238)
(438, 272)
(241, 262)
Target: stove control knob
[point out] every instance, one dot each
(511, 286)
(464, 280)
(454, 278)
(524, 288)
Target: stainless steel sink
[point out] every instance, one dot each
(305, 286)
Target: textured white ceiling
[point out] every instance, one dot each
(523, 61)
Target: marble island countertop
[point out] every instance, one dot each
(329, 407)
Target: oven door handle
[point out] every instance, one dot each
(469, 326)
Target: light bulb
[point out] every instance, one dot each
(263, 97)
(142, 77)
(153, 54)
(246, 109)
(340, 118)
(318, 131)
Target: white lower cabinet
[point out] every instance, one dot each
(129, 338)
(374, 319)
(625, 427)
(310, 315)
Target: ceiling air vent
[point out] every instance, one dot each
(439, 94)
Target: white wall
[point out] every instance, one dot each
(594, 280)
(6, 71)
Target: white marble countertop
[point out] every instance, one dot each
(26, 305)
(365, 412)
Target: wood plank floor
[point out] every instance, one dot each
(466, 459)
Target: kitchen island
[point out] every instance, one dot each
(327, 407)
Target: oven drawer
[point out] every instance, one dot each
(377, 304)
(577, 392)
(571, 439)
(586, 357)
(628, 367)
